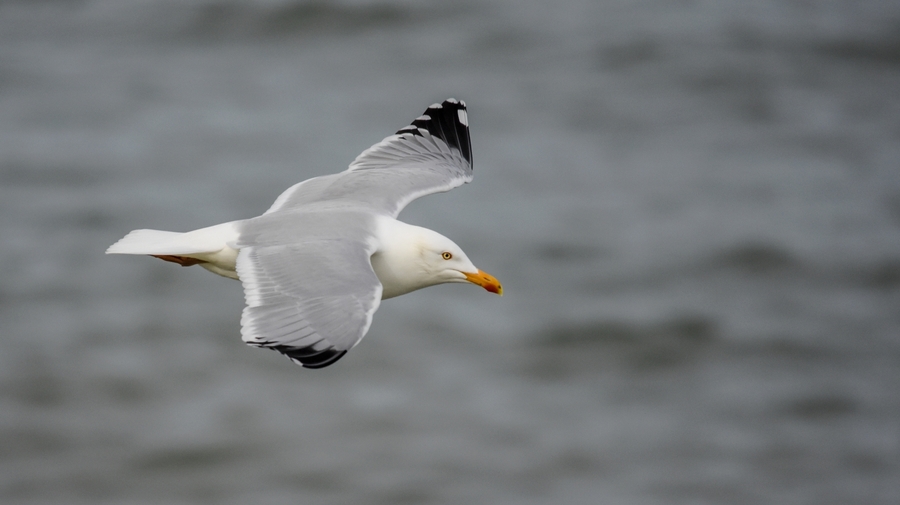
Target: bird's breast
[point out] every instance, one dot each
(397, 276)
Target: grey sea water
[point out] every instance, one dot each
(694, 208)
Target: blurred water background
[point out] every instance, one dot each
(694, 208)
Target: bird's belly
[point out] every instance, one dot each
(222, 262)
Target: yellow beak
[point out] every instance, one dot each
(485, 280)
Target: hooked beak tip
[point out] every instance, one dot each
(485, 280)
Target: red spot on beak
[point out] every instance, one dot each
(485, 280)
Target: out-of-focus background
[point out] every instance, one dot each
(694, 208)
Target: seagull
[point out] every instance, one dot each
(316, 265)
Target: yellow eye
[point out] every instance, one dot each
(446, 255)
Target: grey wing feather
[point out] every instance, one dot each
(312, 301)
(431, 155)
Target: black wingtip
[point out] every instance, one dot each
(309, 357)
(449, 121)
(327, 358)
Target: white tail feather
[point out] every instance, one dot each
(204, 240)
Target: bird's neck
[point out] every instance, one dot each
(398, 260)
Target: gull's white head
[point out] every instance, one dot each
(412, 257)
(445, 261)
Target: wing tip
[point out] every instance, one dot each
(448, 121)
(307, 357)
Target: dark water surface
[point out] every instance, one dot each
(694, 208)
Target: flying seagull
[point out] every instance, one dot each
(317, 264)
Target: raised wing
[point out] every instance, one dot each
(311, 300)
(431, 155)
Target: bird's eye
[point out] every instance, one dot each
(446, 255)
